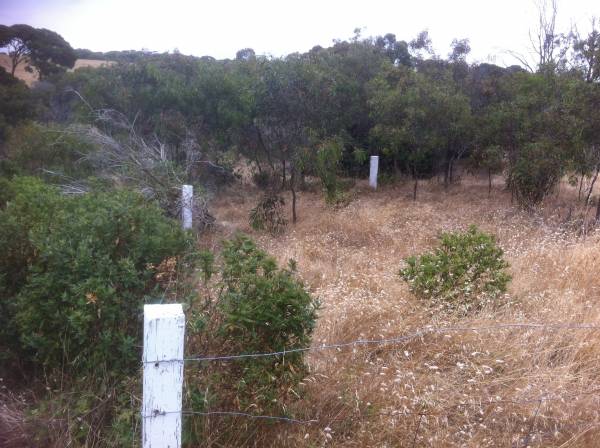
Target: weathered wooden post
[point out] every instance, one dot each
(164, 327)
(187, 205)
(373, 172)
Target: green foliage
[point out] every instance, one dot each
(18, 104)
(43, 49)
(328, 157)
(465, 272)
(489, 158)
(49, 151)
(258, 307)
(76, 273)
(265, 308)
(423, 122)
(269, 215)
(206, 261)
(535, 172)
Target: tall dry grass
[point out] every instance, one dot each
(508, 387)
(31, 77)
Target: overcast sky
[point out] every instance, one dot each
(277, 27)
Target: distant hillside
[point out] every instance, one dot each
(31, 77)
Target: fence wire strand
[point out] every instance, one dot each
(400, 339)
(539, 400)
(384, 341)
(232, 414)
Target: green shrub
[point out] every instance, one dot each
(39, 150)
(259, 308)
(18, 103)
(328, 158)
(75, 273)
(265, 307)
(536, 171)
(466, 271)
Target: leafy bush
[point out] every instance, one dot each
(18, 103)
(265, 307)
(536, 171)
(258, 307)
(328, 157)
(37, 150)
(466, 271)
(75, 273)
(268, 214)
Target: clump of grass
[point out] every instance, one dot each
(269, 215)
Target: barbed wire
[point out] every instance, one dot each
(383, 341)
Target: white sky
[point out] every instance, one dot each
(220, 28)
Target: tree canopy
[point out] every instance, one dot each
(40, 48)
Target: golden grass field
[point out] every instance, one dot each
(31, 78)
(497, 388)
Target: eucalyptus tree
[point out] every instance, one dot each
(586, 53)
(43, 49)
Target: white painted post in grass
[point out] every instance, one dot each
(373, 172)
(164, 327)
(187, 203)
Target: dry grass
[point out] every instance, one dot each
(468, 389)
(31, 78)
(13, 432)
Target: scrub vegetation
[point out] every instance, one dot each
(462, 291)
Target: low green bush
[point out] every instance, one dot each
(264, 307)
(536, 171)
(257, 307)
(466, 271)
(327, 163)
(75, 273)
(53, 152)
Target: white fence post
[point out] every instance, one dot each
(373, 172)
(164, 327)
(187, 205)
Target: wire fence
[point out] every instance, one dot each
(482, 403)
(386, 341)
(485, 401)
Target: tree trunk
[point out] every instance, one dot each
(14, 59)
(415, 187)
(293, 188)
(597, 210)
(580, 187)
(446, 174)
(589, 193)
(257, 159)
(283, 175)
